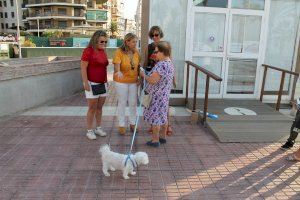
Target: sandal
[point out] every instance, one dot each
(292, 158)
(162, 140)
(169, 131)
(132, 127)
(153, 144)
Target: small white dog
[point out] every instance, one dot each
(116, 161)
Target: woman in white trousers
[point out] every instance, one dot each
(126, 67)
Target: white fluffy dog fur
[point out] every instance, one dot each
(116, 161)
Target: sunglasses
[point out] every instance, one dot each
(155, 35)
(101, 42)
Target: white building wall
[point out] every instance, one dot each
(9, 20)
(283, 30)
(281, 42)
(171, 16)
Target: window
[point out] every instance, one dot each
(211, 3)
(62, 24)
(77, 23)
(1, 14)
(249, 4)
(4, 3)
(90, 4)
(11, 3)
(47, 23)
(12, 15)
(77, 12)
(0, 3)
(5, 14)
(13, 25)
(62, 11)
(6, 25)
(2, 25)
(47, 12)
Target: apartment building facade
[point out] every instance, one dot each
(41, 15)
(8, 15)
(117, 15)
(98, 15)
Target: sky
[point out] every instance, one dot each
(130, 8)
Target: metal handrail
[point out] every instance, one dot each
(208, 76)
(283, 72)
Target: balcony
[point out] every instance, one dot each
(102, 7)
(71, 3)
(55, 15)
(115, 12)
(96, 16)
(41, 27)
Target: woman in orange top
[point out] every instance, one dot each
(126, 66)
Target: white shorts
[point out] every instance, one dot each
(90, 95)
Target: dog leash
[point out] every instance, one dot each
(129, 154)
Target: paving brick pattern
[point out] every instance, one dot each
(50, 158)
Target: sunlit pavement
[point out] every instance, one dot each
(44, 154)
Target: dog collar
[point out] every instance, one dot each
(134, 164)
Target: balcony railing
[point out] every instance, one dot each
(56, 1)
(45, 14)
(104, 7)
(46, 27)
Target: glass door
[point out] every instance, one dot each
(226, 39)
(208, 46)
(243, 54)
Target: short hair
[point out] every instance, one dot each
(164, 47)
(94, 39)
(153, 29)
(128, 37)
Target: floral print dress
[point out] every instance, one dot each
(156, 113)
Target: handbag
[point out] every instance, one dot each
(98, 89)
(146, 100)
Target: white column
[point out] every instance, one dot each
(18, 29)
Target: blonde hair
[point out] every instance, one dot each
(129, 36)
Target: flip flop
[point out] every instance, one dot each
(153, 144)
(169, 131)
(293, 158)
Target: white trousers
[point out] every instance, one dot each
(126, 92)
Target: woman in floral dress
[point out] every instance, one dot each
(159, 84)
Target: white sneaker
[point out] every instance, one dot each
(91, 135)
(100, 132)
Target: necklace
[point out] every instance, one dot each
(131, 61)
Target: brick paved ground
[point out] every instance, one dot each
(49, 157)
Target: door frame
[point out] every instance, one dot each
(259, 56)
(189, 54)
